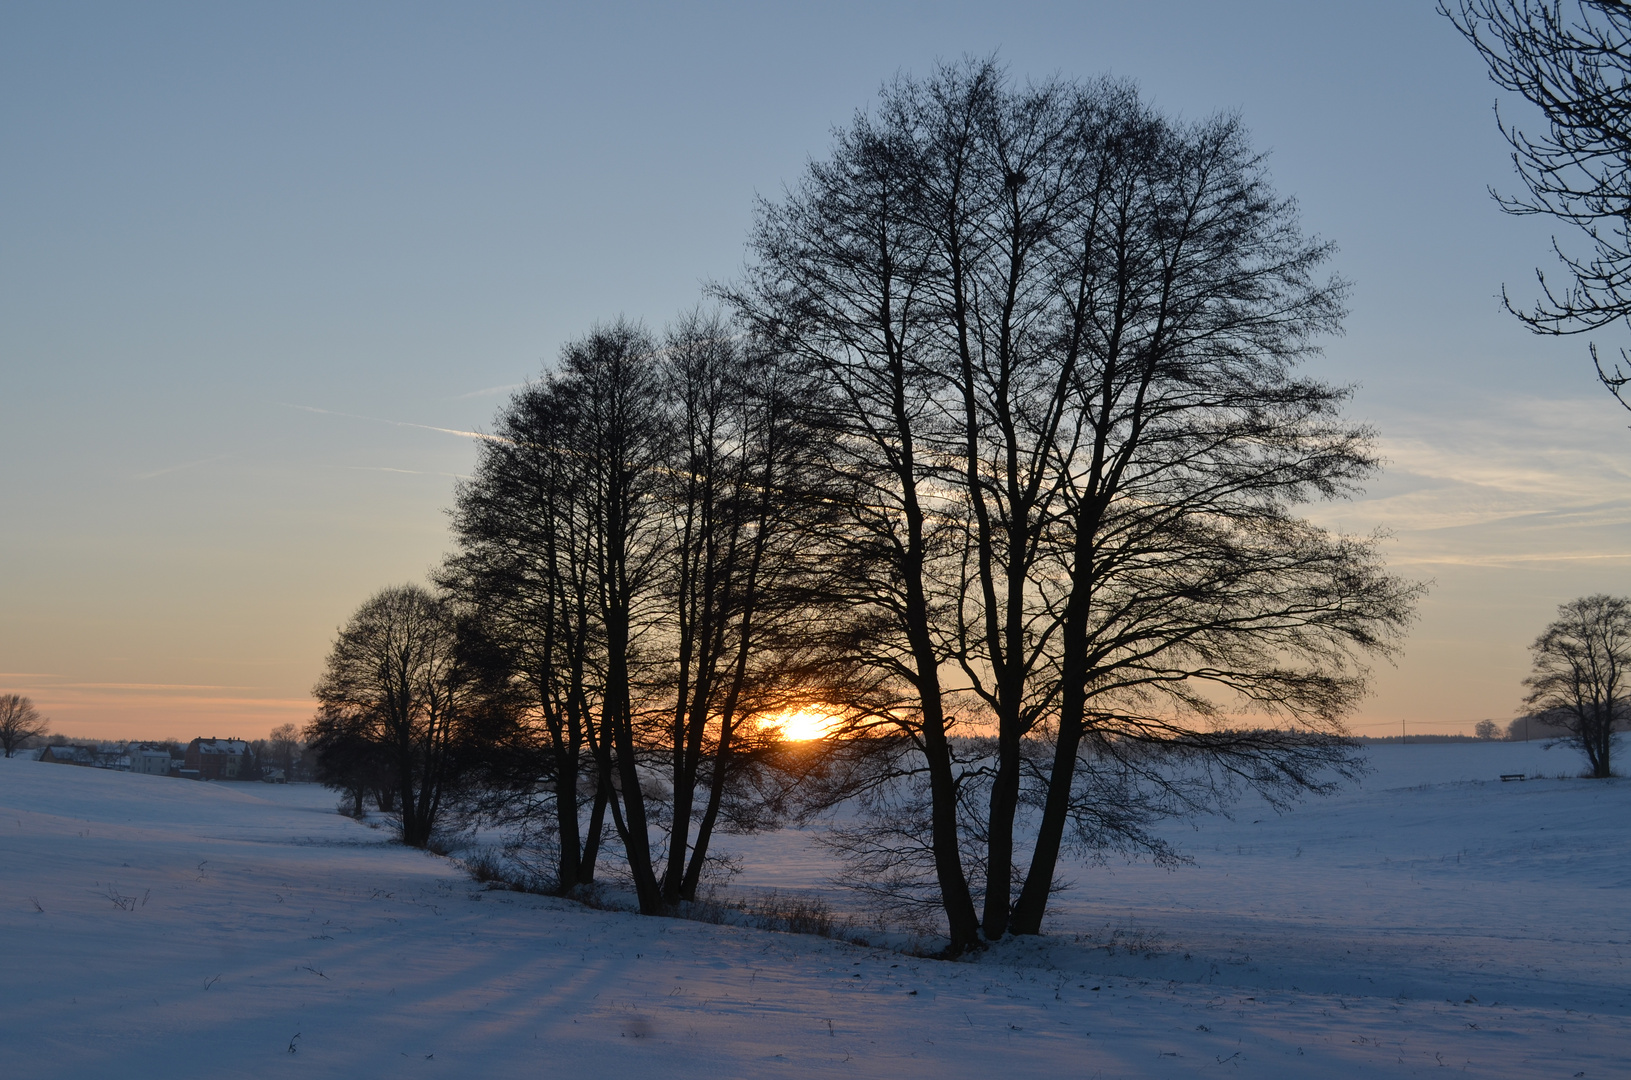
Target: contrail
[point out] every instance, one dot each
(409, 472)
(400, 423)
(489, 390)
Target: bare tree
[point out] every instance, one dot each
(400, 707)
(840, 271)
(527, 562)
(20, 721)
(349, 757)
(1193, 586)
(1573, 62)
(283, 749)
(1486, 729)
(1059, 333)
(563, 534)
(1582, 668)
(621, 436)
(741, 503)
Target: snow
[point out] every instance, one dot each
(1429, 917)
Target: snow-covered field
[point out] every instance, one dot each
(1431, 917)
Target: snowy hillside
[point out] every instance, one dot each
(1431, 917)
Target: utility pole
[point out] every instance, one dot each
(1403, 735)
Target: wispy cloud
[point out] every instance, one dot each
(1517, 481)
(63, 703)
(178, 468)
(67, 682)
(1451, 559)
(157, 687)
(483, 436)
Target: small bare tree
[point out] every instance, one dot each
(285, 748)
(402, 710)
(1486, 729)
(1581, 674)
(19, 722)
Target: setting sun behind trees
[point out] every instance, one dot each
(801, 723)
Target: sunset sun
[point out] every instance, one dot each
(801, 724)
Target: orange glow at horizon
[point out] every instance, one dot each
(802, 723)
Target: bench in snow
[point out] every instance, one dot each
(1507, 777)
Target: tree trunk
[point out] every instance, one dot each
(597, 825)
(710, 815)
(566, 821)
(1033, 897)
(962, 922)
(1000, 833)
(632, 822)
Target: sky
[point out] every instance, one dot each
(262, 266)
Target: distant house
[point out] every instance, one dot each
(106, 756)
(148, 760)
(215, 759)
(69, 755)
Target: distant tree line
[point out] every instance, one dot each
(993, 456)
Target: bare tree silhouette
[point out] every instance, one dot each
(1582, 675)
(1058, 334)
(1573, 62)
(20, 721)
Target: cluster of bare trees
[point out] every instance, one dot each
(637, 536)
(994, 455)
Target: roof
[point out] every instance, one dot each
(221, 746)
(70, 753)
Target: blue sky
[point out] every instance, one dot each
(252, 258)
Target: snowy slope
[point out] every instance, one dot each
(196, 929)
